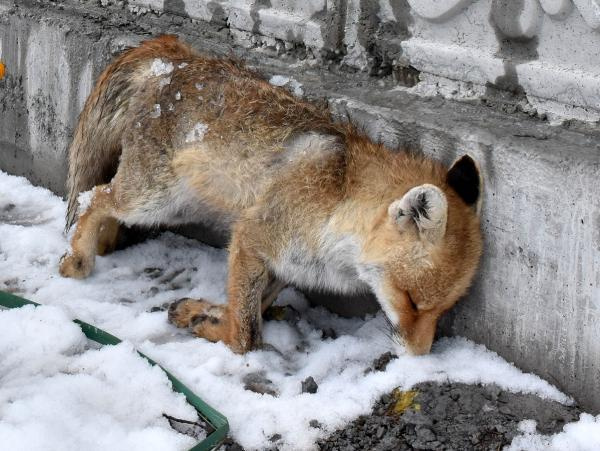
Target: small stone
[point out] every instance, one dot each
(381, 362)
(153, 273)
(425, 434)
(502, 397)
(493, 393)
(233, 447)
(309, 385)
(380, 432)
(258, 383)
(328, 333)
(314, 424)
(274, 438)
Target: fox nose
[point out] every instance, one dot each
(418, 331)
(421, 349)
(402, 346)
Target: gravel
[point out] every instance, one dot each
(309, 385)
(447, 417)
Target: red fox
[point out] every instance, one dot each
(168, 136)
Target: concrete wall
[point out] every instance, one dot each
(537, 298)
(546, 51)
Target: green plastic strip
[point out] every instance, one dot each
(210, 415)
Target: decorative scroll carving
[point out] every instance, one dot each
(436, 10)
(525, 25)
(590, 10)
(517, 19)
(557, 9)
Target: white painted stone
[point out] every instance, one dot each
(558, 71)
(438, 10)
(517, 20)
(557, 9)
(84, 87)
(311, 23)
(145, 5)
(590, 10)
(356, 54)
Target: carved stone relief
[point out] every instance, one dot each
(515, 19)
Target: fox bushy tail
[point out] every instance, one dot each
(96, 147)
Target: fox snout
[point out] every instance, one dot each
(414, 328)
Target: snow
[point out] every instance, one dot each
(294, 85)
(156, 111)
(197, 133)
(160, 67)
(582, 435)
(84, 199)
(279, 80)
(125, 295)
(55, 394)
(164, 82)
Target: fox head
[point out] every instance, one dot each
(425, 251)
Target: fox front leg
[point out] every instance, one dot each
(239, 322)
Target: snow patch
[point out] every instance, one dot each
(582, 435)
(160, 67)
(199, 86)
(56, 394)
(279, 80)
(164, 82)
(293, 84)
(178, 95)
(197, 133)
(155, 113)
(85, 200)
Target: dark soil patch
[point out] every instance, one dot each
(447, 417)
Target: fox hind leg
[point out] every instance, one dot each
(108, 236)
(79, 261)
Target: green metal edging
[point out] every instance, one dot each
(210, 415)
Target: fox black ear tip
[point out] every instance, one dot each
(465, 178)
(466, 159)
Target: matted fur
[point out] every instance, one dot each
(307, 201)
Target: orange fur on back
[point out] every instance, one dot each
(96, 145)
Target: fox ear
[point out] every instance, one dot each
(465, 179)
(425, 207)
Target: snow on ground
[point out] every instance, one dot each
(55, 394)
(582, 435)
(124, 295)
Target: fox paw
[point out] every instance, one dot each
(75, 266)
